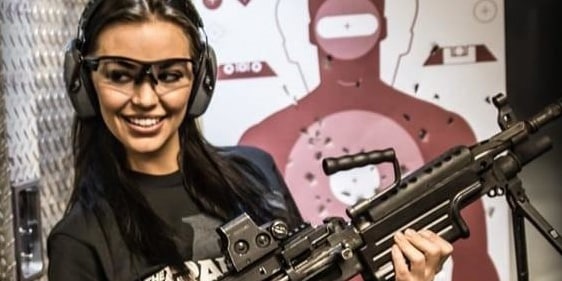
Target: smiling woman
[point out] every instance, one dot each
(144, 114)
(149, 190)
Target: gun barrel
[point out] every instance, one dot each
(550, 113)
(529, 151)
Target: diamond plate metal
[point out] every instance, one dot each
(6, 230)
(35, 115)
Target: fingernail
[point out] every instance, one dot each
(409, 232)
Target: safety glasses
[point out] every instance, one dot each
(125, 75)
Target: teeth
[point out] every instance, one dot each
(144, 122)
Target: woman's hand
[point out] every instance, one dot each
(425, 252)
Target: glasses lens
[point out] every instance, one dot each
(172, 75)
(119, 74)
(126, 76)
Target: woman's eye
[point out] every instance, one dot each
(119, 76)
(170, 77)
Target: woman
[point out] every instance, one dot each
(149, 191)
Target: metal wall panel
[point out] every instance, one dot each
(6, 233)
(35, 115)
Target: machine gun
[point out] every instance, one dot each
(428, 198)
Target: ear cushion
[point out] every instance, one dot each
(204, 83)
(76, 88)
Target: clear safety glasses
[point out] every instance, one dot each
(125, 75)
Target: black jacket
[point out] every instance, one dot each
(86, 246)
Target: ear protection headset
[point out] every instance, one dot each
(78, 81)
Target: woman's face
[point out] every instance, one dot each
(143, 94)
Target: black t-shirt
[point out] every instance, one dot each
(84, 246)
(168, 198)
(171, 202)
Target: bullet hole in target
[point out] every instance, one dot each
(450, 121)
(422, 134)
(309, 177)
(328, 141)
(406, 117)
(318, 155)
(322, 206)
(345, 150)
(491, 211)
(416, 87)
(317, 133)
(436, 96)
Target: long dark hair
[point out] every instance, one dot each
(215, 182)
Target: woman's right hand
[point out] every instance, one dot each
(419, 256)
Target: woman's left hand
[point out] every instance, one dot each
(425, 252)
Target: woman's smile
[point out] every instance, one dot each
(144, 125)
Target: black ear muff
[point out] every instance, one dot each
(203, 83)
(74, 82)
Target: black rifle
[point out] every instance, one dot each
(429, 198)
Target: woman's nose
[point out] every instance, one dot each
(145, 94)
